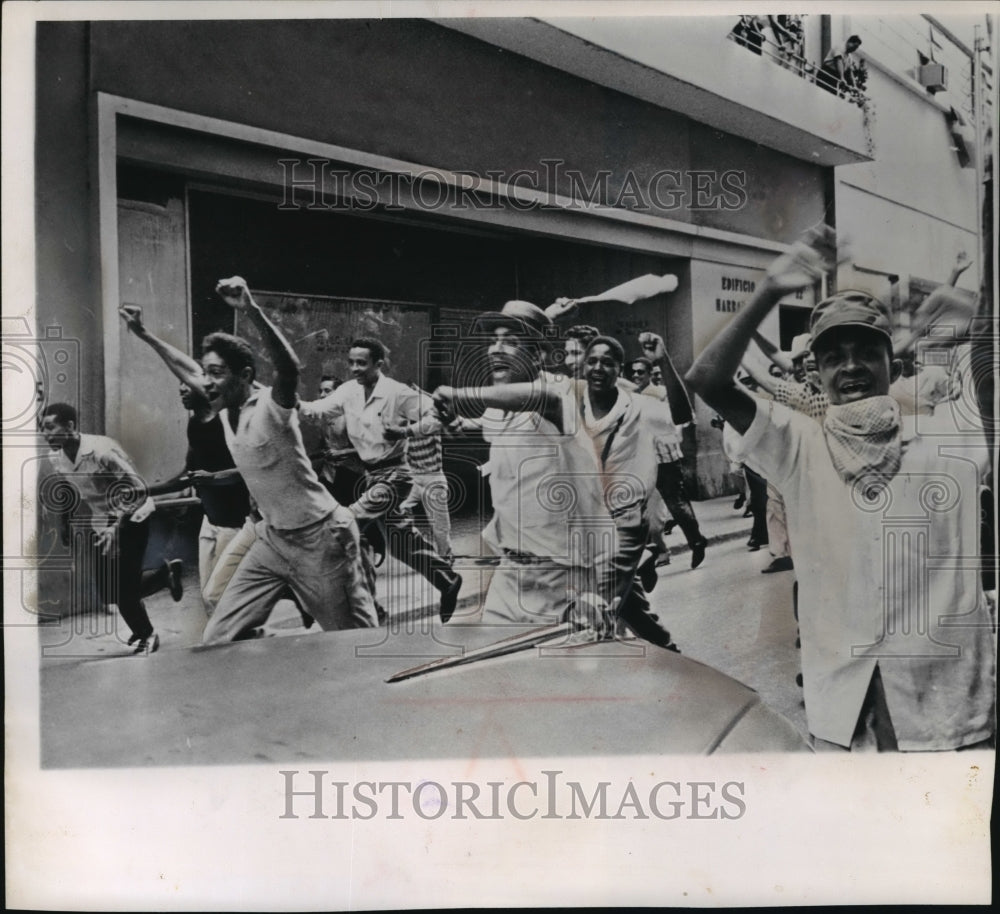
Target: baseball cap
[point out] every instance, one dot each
(520, 316)
(850, 309)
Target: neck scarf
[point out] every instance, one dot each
(864, 438)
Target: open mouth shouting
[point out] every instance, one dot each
(854, 389)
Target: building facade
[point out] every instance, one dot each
(396, 177)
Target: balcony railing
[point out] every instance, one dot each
(789, 56)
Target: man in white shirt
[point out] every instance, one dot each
(379, 414)
(570, 480)
(898, 646)
(306, 542)
(837, 71)
(550, 527)
(106, 499)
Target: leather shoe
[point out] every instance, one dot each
(647, 571)
(739, 503)
(780, 564)
(174, 569)
(698, 552)
(449, 598)
(747, 513)
(148, 645)
(753, 545)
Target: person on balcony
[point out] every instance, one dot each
(839, 69)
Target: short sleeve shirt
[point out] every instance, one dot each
(268, 451)
(889, 578)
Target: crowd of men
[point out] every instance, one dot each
(585, 472)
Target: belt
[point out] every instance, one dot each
(526, 558)
(384, 464)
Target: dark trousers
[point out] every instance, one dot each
(670, 485)
(119, 577)
(757, 485)
(386, 491)
(620, 581)
(348, 484)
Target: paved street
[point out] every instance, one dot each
(730, 616)
(725, 614)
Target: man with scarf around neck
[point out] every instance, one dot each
(572, 468)
(898, 647)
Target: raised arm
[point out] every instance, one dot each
(713, 372)
(654, 349)
(962, 263)
(761, 378)
(234, 292)
(781, 359)
(185, 368)
(561, 308)
(946, 309)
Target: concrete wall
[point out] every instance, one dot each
(406, 89)
(415, 91)
(65, 211)
(913, 209)
(718, 291)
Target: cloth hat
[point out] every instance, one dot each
(850, 309)
(520, 316)
(800, 346)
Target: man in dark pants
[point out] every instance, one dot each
(540, 435)
(109, 499)
(226, 503)
(379, 414)
(670, 477)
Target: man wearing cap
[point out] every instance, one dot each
(572, 474)
(897, 641)
(549, 526)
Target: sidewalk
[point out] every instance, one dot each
(405, 594)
